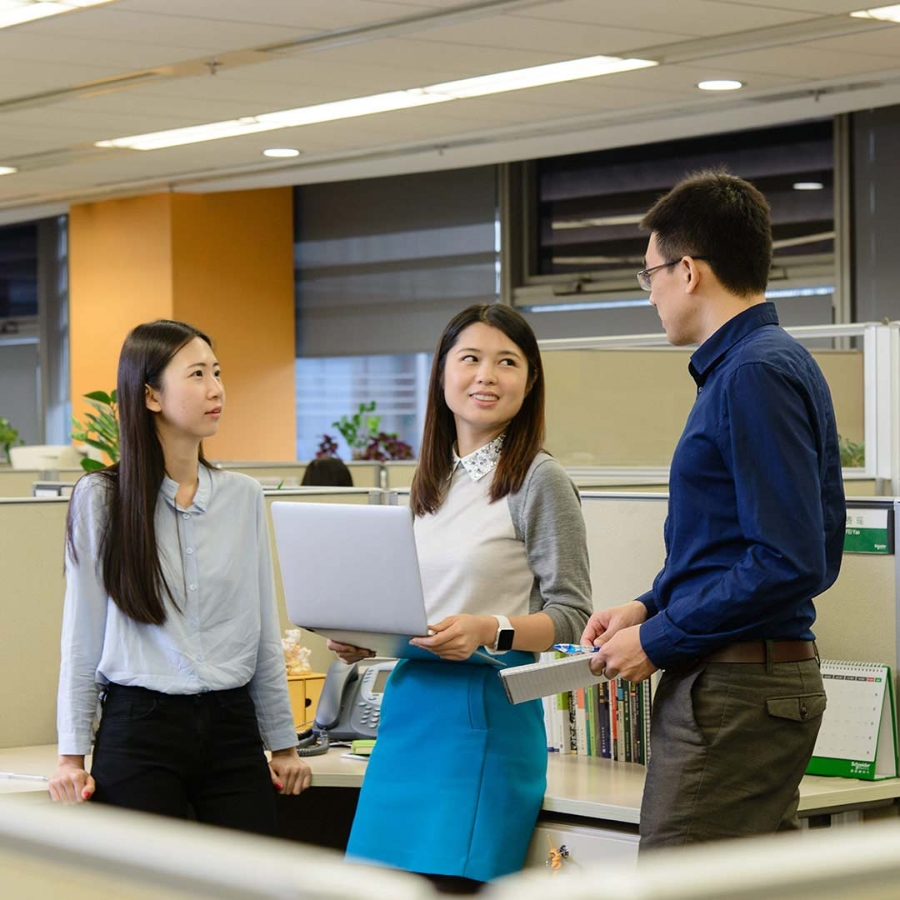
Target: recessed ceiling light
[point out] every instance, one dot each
(808, 186)
(15, 12)
(480, 86)
(281, 152)
(884, 13)
(721, 84)
(7, 170)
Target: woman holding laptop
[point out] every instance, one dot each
(170, 614)
(458, 774)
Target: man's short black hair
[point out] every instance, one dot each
(720, 216)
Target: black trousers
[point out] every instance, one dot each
(173, 754)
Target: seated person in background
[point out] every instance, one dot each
(327, 471)
(169, 612)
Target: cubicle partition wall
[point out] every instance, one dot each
(32, 536)
(19, 482)
(856, 618)
(100, 853)
(365, 473)
(32, 539)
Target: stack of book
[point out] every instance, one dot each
(610, 720)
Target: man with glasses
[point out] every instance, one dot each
(754, 532)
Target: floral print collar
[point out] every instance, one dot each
(481, 461)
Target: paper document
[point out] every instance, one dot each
(542, 679)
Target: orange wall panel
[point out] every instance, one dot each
(234, 278)
(223, 262)
(120, 274)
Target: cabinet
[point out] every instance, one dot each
(304, 691)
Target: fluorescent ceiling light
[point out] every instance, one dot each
(15, 12)
(808, 186)
(564, 224)
(500, 82)
(721, 84)
(884, 13)
(281, 152)
(7, 170)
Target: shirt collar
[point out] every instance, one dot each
(169, 488)
(481, 461)
(714, 348)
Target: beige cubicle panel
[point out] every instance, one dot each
(18, 482)
(399, 474)
(100, 853)
(32, 539)
(32, 536)
(856, 618)
(269, 474)
(627, 407)
(816, 864)
(365, 473)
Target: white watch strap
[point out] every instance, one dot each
(502, 622)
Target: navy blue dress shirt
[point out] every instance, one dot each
(755, 527)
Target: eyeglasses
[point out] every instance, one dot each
(643, 276)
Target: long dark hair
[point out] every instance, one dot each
(132, 571)
(524, 434)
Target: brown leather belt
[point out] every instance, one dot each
(755, 652)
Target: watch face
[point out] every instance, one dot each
(505, 638)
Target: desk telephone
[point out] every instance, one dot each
(349, 706)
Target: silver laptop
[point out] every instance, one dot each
(350, 573)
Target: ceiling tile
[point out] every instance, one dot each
(693, 17)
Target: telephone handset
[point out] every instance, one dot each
(349, 705)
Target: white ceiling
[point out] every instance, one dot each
(799, 59)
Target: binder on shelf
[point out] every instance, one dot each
(858, 737)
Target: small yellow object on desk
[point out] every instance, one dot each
(362, 746)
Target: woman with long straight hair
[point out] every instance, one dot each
(169, 613)
(457, 777)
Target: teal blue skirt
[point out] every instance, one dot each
(458, 774)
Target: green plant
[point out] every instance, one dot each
(100, 429)
(356, 428)
(853, 455)
(8, 436)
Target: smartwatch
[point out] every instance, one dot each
(505, 635)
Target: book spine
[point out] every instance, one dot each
(648, 706)
(603, 724)
(581, 744)
(591, 704)
(627, 720)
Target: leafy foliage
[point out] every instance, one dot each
(362, 433)
(853, 455)
(100, 429)
(8, 436)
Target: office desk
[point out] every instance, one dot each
(590, 793)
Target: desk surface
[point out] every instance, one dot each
(576, 786)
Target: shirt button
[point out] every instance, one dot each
(189, 551)
(185, 515)
(192, 587)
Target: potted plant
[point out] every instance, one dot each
(362, 433)
(8, 436)
(100, 429)
(356, 428)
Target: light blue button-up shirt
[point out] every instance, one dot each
(217, 561)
